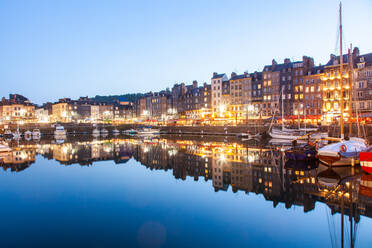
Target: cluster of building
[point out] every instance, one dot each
(299, 90)
(18, 109)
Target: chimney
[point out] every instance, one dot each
(246, 73)
(205, 84)
(355, 52)
(273, 63)
(287, 61)
(215, 74)
(195, 84)
(233, 74)
(332, 56)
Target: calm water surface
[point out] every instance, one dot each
(176, 192)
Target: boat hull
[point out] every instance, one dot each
(337, 160)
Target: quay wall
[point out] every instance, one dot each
(74, 128)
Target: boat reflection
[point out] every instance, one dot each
(248, 168)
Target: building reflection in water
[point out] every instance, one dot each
(246, 168)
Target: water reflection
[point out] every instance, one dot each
(249, 168)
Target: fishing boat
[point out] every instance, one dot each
(345, 151)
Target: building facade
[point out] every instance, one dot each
(216, 90)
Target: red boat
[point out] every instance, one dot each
(366, 160)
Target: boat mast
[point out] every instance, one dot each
(341, 75)
(351, 91)
(282, 110)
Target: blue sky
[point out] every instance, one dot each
(72, 48)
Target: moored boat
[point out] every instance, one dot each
(96, 132)
(104, 131)
(343, 153)
(366, 160)
(148, 131)
(130, 131)
(60, 131)
(305, 152)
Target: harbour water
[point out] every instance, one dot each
(176, 191)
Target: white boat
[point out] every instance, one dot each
(286, 134)
(343, 153)
(60, 131)
(104, 131)
(284, 142)
(116, 131)
(248, 136)
(36, 134)
(148, 131)
(96, 132)
(4, 147)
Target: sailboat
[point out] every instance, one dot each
(294, 134)
(345, 151)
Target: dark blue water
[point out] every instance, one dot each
(141, 203)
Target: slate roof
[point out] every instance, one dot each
(239, 77)
(344, 60)
(279, 67)
(257, 75)
(367, 59)
(315, 69)
(218, 76)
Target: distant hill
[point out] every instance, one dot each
(126, 97)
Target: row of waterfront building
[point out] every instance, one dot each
(299, 90)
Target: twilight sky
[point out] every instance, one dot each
(71, 48)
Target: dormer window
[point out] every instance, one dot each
(361, 59)
(360, 65)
